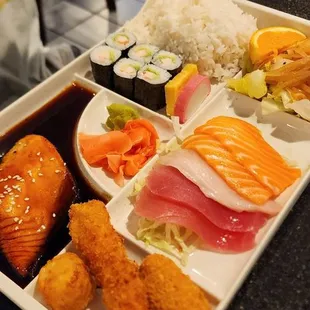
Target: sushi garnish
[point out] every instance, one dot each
(170, 238)
(121, 153)
(119, 115)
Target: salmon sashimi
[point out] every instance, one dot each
(250, 149)
(36, 190)
(224, 163)
(154, 207)
(121, 153)
(178, 189)
(197, 170)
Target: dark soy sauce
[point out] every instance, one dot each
(56, 121)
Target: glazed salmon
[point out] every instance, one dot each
(249, 148)
(224, 163)
(36, 190)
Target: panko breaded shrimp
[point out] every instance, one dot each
(65, 283)
(104, 252)
(168, 288)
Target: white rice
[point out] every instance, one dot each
(214, 34)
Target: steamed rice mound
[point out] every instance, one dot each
(214, 34)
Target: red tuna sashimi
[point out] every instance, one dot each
(178, 189)
(215, 239)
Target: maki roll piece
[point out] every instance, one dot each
(102, 59)
(168, 61)
(121, 40)
(143, 52)
(125, 71)
(150, 87)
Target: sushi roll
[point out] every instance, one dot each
(150, 87)
(168, 61)
(125, 71)
(143, 52)
(102, 59)
(121, 40)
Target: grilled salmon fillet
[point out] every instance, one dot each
(36, 190)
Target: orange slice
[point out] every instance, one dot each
(267, 40)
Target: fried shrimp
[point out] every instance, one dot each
(65, 284)
(168, 288)
(104, 252)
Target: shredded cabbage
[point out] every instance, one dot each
(302, 108)
(165, 148)
(270, 106)
(139, 184)
(286, 99)
(177, 127)
(281, 103)
(170, 238)
(252, 84)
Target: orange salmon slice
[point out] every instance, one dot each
(224, 163)
(249, 149)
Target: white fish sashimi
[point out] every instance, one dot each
(194, 168)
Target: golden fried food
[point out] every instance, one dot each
(104, 252)
(168, 288)
(36, 190)
(65, 284)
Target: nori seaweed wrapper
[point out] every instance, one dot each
(103, 75)
(124, 86)
(149, 95)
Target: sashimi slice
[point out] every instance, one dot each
(194, 168)
(224, 163)
(192, 95)
(95, 147)
(253, 152)
(178, 189)
(216, 239)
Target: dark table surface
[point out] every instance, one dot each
(281, 278)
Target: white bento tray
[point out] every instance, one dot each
(218, 273)
(228, 283)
